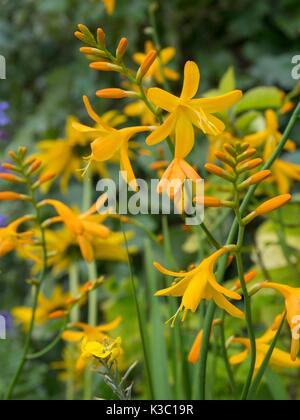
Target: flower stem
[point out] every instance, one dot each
(225, 356)
(37, 290)
(230, 239)
(261, 372)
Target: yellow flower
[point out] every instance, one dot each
(83, 226)
(284, 173)
(107, 351)
(185, 112)
(110, 6)
(11, 240)
(61, 155)
(64, 156)
(292, 303)
(269, 137)
(89, 332)
(158, 70)
(175, 175)
(67, 366)
(198, 284)
(108, 141)
(56, 301)
(279, 358)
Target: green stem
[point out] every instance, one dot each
(230, 239)
(248, 314)
(262, 369)
(37, 291)
(50, 346)
(225, 357)
(139, 316)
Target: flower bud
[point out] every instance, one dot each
(251, 164)
(146, 65)
(114, 93)
(255, 179)
(10, 196)
(12, 178)
(216, 170)
(269, 206)
(105, 66)
(225, 158)
(122, 48)
(101, 37)
(246, 155)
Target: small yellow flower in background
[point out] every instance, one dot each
(67, 366)
(110, 6)
(186, 112)
(279, 358)
(11, 239)
(284, 174)
(270, 137)
(91, 333)
(60, 155)
(83, 226)
(58, 300)
(108, 141)
(158, 70)
(108, 351)
(198, 284)
(292, 303)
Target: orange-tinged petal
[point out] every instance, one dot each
(185, 136)
(167, 272)
(223, 303)
(163, 131)
(195, 293)
(271, 120)
(189, 171)
(163, 99)
(95, 229)
(167, 54)
(191, 80)
(177, 290)
(127, 168)
(72, 336)
(111, 325)
(239, 358)
(194, 353)
(218, 103)
(105, 148)
(86, 248)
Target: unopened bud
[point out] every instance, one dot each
(122, 48)
(146, 65)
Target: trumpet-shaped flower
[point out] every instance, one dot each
(58, 300)
(270, 136)
(11, 239)
(284, 173)
(83, 226)
(107, 351)
(109, 141)
(292, 303)
(279, 358)
(159, 69)
(199, 284)
(89, 332)
(186, 112)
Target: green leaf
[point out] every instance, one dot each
(159, 356)
(259, 98)
(228, 82)
(276, 386)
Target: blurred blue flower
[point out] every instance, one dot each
(3, 221)
(4, 118)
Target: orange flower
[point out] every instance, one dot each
(83, 226)
(292, 304)
(10, 239)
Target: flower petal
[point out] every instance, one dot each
(163, 131)
(223, 303)
(105, 148)
(185, 136)
(177, 290)
(191, 80)
(218, 103)
(163, 99)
